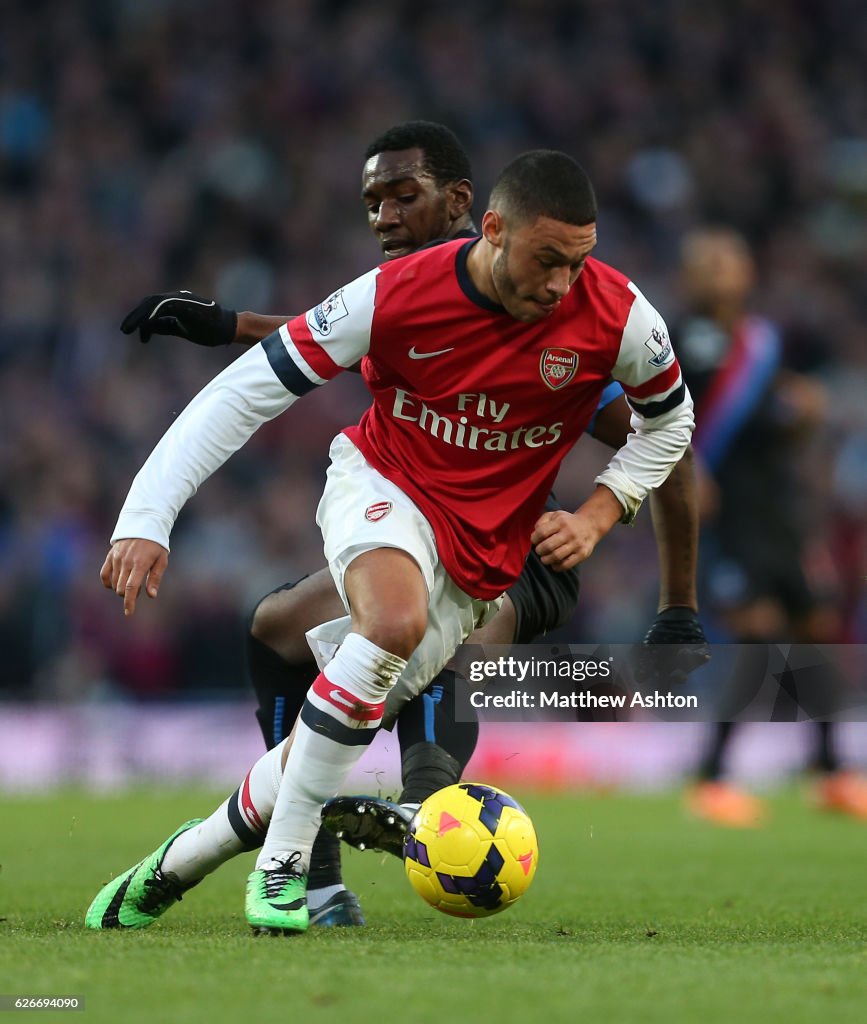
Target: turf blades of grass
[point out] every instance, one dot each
(637, 914)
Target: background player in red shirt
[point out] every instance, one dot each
(531, 284)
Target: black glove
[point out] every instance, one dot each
(673, 647)
(184, 315)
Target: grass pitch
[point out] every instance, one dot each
(637, 914)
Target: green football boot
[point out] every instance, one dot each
(277, 899)
(139, 896)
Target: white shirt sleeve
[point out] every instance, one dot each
(662, 409)
(255, 388)
(216, 423)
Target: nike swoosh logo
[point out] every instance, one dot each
(427, 355)
(110, 917)
(192, 302)
(337, 696)
(294, 905)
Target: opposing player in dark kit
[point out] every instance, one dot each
(753, 416)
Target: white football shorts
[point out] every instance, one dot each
(360, 510)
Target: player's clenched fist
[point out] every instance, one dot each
(130, 564)
(563, 539)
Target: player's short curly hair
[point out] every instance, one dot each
(444, 156)
(545, 183)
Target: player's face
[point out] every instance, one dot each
(406, 208)
(535, 264)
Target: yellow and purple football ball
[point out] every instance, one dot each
(471, 850)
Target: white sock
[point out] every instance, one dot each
(317, 898)
(237, 825)
(339, 719)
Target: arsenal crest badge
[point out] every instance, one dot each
(558, 366)
(379, 510)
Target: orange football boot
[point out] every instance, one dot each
(726, 805)
(844, 793)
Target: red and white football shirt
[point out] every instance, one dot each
(472, 410)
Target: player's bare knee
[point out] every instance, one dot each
(388, 599)
(399, 632)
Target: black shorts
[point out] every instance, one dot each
(543, 599)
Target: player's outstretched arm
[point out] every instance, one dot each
(182, 314)
(255, 327)
(262, 383)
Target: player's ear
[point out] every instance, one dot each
(493, 228)
(460, 198)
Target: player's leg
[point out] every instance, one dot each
(762, 596)
(711, 796)
(282, 669)
(239, 824)
(438, 730)
(838, 788)
(442, 720)
(752, 620)
(388, 595)
(279, 660)
(138, 896)
(403, 604)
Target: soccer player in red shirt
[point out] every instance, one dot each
(485, 360)
(416, 186)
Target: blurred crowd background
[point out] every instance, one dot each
(217, 146)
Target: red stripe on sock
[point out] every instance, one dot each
(248, 808)
(353, 707)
